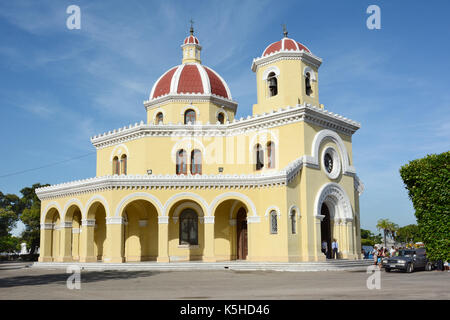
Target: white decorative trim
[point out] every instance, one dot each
(54, 205)
(335, 195)
(270, 69)
(155, 112)
(334, 137)
(188, 98)
(359, 185)
(311, 73)
(163, 220)
(96, 198)
(47, 226)
(65, 224)
(187, 205)
(175, 80)
(195, 198)
(188, 144)
(225, 114)
(335, 172)
(251, 208)
(223, 82)
(208, 219)
(272, 208)
(70, 203)
(116, 220)
(88, 222)
(280, 117)
(304, 56)
(251, 219)
(146, 182)
(205, 79)
(139, 196)
(296, 209)
(118, 152)
(190, 106)
(263, 137)
(157, 81)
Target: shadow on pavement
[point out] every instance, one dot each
(61, 278)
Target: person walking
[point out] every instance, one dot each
(375, 256)
(325, 248)
(335, 248)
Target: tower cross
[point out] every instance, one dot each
(192, 26)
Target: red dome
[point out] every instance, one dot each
(191, 39)
(190, 78)
(285, 44)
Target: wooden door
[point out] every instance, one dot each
(242, 243)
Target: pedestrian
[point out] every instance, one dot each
(325, 248)
(335, 248)
(392, 251)
(375, 256)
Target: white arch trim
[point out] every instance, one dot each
(185, 108)
(333, 136)
(159, 110)
(100, 199)
(262, 137)
(334, 193)
(273, 208)
(114, 152)
(139, 196)
(311, 73)
(186, 196)
(69, 204)
(297, 210)
(234, 195)
(49, 206)
(273, 69)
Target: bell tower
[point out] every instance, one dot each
(286, 75)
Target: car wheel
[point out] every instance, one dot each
(428, 266)
(387, 269)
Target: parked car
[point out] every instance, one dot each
(408, 260)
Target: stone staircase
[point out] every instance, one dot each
(329, 265)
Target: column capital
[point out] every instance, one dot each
(208, 219)
(65, 224)
(88, 222)
(47, 226)
(253, 219)
(163, 220)
(319, 216)
(114, 220)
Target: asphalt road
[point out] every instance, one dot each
(20, 282)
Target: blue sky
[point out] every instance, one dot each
(59, 87)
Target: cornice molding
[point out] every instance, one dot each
(286, 55)
(188, 98)
(282, 116)
(138, 182)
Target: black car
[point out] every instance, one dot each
(408, 260)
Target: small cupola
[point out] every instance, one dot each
(191, 48)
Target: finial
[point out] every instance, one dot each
(285, 31)
(192, 27)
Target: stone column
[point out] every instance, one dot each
(317, 246)
(114, 245)
(233, 240)
(209, 254)
(351, 250)
(46, 242)
(87, 241)
(163, 239)
(65, 245)
(251, 224)
(76, 244)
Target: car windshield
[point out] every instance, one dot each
(405, 253)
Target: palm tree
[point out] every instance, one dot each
(386, 226)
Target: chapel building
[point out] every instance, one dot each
(192, 182)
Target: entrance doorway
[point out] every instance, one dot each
(242, 244)
(325, 229)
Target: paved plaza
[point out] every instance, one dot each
(19, 281)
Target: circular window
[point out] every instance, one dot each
(331, 162)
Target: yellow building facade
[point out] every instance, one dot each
(195, 183)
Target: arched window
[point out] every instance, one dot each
(116, 166)
(181, 166)
(189, 116)
(221, 118)
(188, 227)
(273, 222)
(273, 84)
(270, 154)
(196, 162)
(123, 164)
(259, 157)
(293, 221)
(308, 84)
(159, 118)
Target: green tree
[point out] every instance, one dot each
(10, 244)
(8, 219)
(387, 227)
(428, 183)
(409, 233)
(30, 216)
